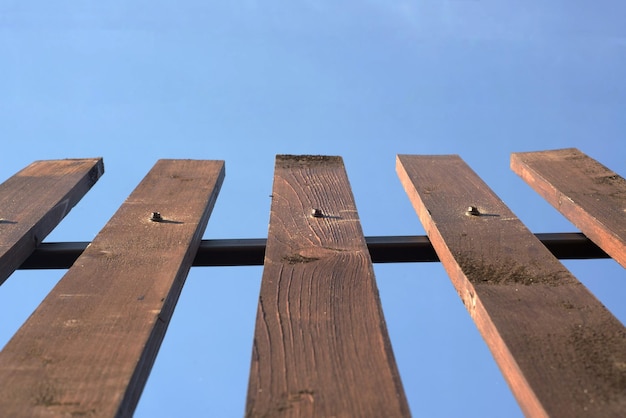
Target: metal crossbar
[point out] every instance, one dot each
(251, 251)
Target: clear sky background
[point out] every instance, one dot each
(134, 81)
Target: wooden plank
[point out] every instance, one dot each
(321, 347)
(35, 200)
(88, 348)
(561, 351)
(590, 195)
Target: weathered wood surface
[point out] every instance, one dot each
(88, 348)
(35, 200)
(321, 347)
(590, 195)
(561, 351)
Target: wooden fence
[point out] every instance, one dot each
(320, 346)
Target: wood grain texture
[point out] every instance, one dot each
(88, 348)
(35, 200)
(590, 195)
(561, 351)
(321, 347)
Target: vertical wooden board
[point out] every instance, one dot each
(35, 200)
(587, 193)
(562, 352)
(87, 350)
(321, 347)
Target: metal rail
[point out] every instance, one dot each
(251, 252)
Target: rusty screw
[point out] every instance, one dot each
(317, 213)
(472, 211)
(156, 217)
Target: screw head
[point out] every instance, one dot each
(156, 217)
(472, 211)
(317, 213)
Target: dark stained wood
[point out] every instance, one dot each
(587, 193)
(88, 348)
(561, 351)
(321, 347)
(35, 200)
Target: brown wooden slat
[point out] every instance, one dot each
(562, 352)
(35, 200)
(88, 348)
(587, 193)
(321, 347)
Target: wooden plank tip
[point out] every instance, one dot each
(98, 169)
(288, 160)
(558, 151)
(400, 157)
(62, 167)
(189, 159)
(172, 162)
(403, 161)
(94, 160)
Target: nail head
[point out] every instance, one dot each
(472, 211)
(317, 213)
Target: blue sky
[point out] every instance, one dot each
(135, 81)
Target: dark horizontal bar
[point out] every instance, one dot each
(250, 252)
